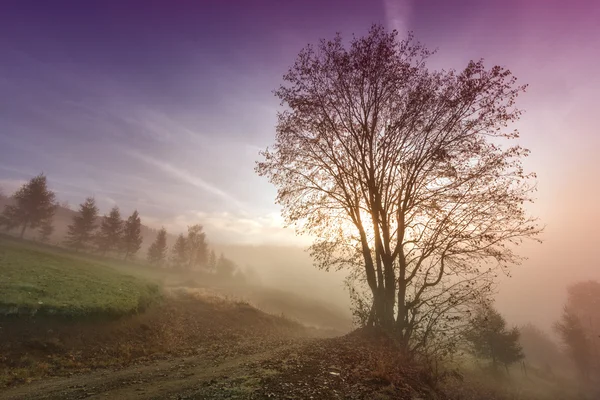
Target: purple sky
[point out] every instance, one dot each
(163, 105)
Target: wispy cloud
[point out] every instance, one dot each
(230, 227)
(397, 14)
(187, 177)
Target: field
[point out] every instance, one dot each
(47, 281)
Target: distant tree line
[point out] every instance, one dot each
(34, 206)
(579, 329)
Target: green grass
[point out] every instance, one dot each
(41, 280)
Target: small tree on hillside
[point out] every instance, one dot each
(35, 204)
(212, 260)
(132, 235)
(225, 267)
(490, 339)
(197, 247)
(579, 328)
(179, 253)
(81, 232)
(46, 230)
(578, 346)
(109, 237)
(157, 252)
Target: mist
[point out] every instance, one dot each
(171, 185)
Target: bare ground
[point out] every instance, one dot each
(277, 369)
(177, 378)
(192, 348)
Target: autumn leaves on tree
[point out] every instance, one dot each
(400, 174)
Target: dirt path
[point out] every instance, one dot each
(180, 378)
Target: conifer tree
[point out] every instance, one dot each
(132, 235)
(110, 231)
(34, 204)
(157, 251)
(80, 232)
(212, 260)
(179, 253)
(196, 246)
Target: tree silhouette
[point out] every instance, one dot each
(490, 339)
(399, 174)
(225, 267)
(35, 204)
(81, 232)
(109, 237)
(157, 252)
(579, 328)
(132, 235)
(212, 260)
(179, 252)
(197, 247)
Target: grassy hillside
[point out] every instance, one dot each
(40, 280)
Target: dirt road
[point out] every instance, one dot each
(180, 378)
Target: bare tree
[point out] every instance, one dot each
(399, 172)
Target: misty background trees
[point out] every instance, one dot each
(132, 235)
(489, 338)
(108, 238)
(579, 328)
(80, 233)
(157, 252)
(399, 173)
(33, 206)
(197, 247)
(179, 253)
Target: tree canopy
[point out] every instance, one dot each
(399, 173)
(132, 235)
(197, 247)
(579, 328)
(81, 231)
(34, 206)
(179, 253)
(109, 236)
(489, 338)
(157, 252)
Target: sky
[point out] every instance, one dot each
(162, 106)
